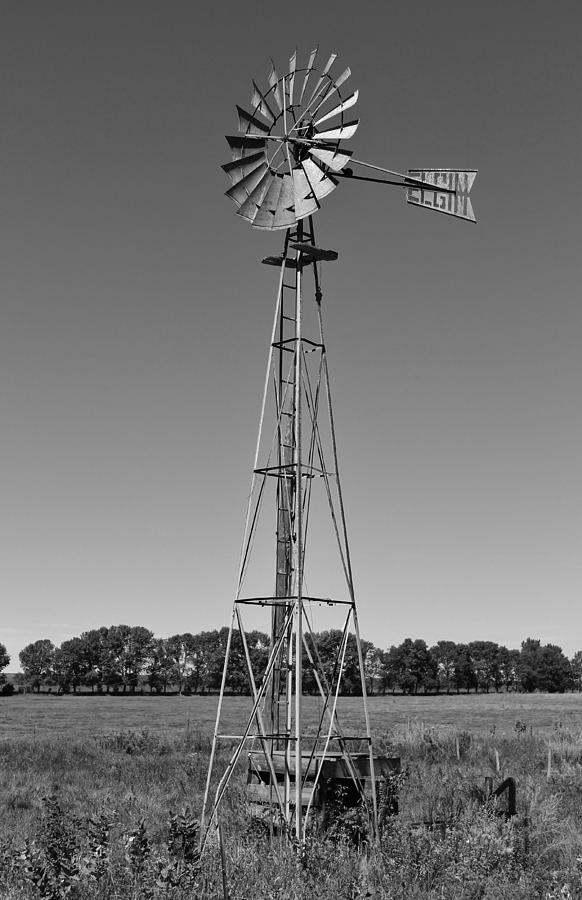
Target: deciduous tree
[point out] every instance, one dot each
(126, 651)
(444, 654)
(36, 660)
(97, 655)
(530, 664)
(160, 666)
(464, 676)
(508, 676)
(181, 649)
(137, 653)
(374, 664)
(4, 660)
(485, 656)
(413, 666)
(555, 675)
(543, 668)
(71, 664)
(576, 666)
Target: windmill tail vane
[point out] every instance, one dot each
(443, 190)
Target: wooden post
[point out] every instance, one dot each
(549, 770)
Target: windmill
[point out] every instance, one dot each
(288, 155)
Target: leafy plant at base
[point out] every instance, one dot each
(137, 856)
(183, 863)
(97, 859)
(137, 847)
(51, 863)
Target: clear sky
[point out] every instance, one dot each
(135, 316)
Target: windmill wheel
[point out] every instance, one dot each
(289, 144)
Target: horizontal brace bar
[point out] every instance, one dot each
(293, 340)
(278, 345)
(249, 737)
(288, 737)
(288, 471)
(286, 601)
(284, 476)
(332, 737)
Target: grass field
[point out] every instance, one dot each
(99, 798)
(34, 715)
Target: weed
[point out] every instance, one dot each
(520, 728)
(183, 861)
(50, 863)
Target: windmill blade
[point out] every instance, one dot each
(239, 144)
(340, 108)
(238, 168)
(273, 80)
(337, 82)
(265, 215)
(291, 77)
(308, 72)
(330, 89)
(452, 204)
(284, 215)
(342, 133)
(248, 124)
(322, 77)
(305, 200)
(333, 159)
(260, 104)
(321, 183)
(243, 188)
(251, 205)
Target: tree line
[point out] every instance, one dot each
(123, 658)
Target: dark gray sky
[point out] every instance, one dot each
(135, 317)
